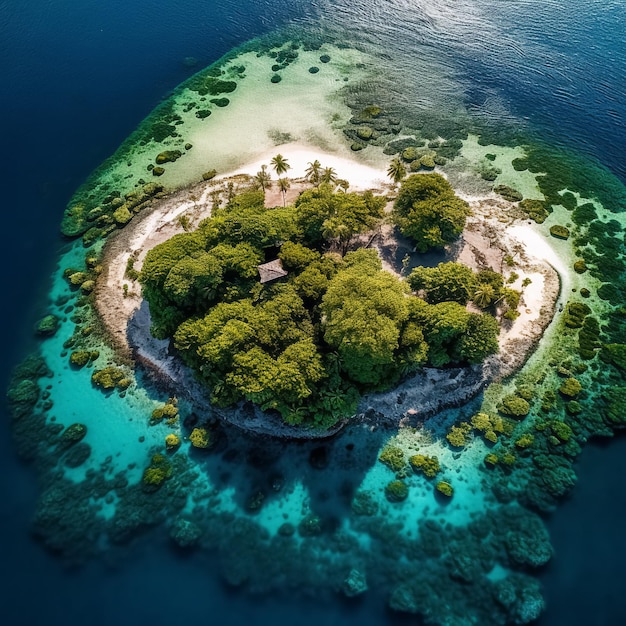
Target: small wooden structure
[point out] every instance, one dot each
(271, 271)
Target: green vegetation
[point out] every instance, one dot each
(110, 378)
(454, 282)
(514, 406)
(309, 344)
(168, 412)
(428, 211)
(535, 209)
(172, 442)
(525, 441)
(82, 217)
(570, 387)
(80, 358)
(508, 193)
(47, 326)
(446, 282)
(457, 437)
(73, 434)
(201, 438)
(168, 156)
(491, 426)
(560, 232)
(156, 473)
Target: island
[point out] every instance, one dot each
(301, 310)
(333, 339)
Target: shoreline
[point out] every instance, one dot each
(125, 318)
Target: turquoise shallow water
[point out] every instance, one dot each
(451, 56)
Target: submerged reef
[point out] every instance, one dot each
(473, 377)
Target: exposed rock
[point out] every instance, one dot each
(168, 156)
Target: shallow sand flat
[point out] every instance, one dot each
(523, 181)
(539, 247)
(303, 107)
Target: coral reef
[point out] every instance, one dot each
(73, 434)
(396, 491)
(559, 232)
(514, 406)
(172, 441)
(169, 412)
(393, 457)
(110, 377)
(354, 584)
(570, 387)
(444, 488)
(159, 470)
(428, 465)
(47, 326)
(201, 438)
(458, 435)
(185, 533)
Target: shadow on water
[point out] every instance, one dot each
(261, 470)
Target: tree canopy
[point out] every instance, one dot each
(428, 211)
(336, 217)
(446, 282)
(335, 326)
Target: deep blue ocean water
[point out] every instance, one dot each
(76, 78)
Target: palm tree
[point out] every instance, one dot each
(343, 184)
(263, 178)
(312, 173)
(283, 185)
(396, 170)
(280, 165)
(329, 175)
(484, 296)
(215, 199)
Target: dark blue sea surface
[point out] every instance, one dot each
(77, 77)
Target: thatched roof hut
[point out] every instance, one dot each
(271, 271)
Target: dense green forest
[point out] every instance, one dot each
(336, 325)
